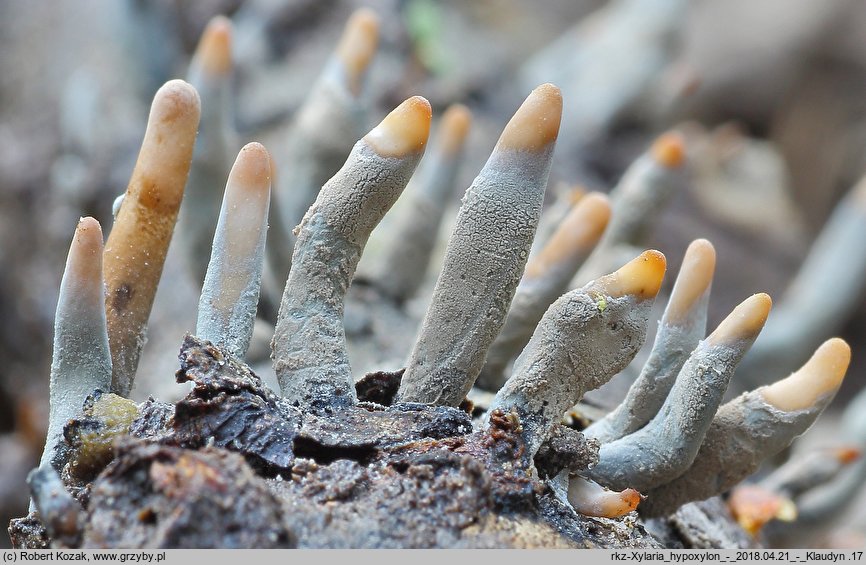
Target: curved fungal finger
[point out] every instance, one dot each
(407, 252)
(585, 338)
(309, 345)
(331, 118)
(666, 447)
(592, 499)
(546, 277)
(230, 294)
(81, 361)
(210, 73)
(754, 426)
(485, 256)
(682, 326)
(138, 242)
(637, 200)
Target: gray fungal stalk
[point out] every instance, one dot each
(485, 256)
(682, 326)
(754, 426)
(584, 339)
(666, 447)
(309, 345)
(227, 307)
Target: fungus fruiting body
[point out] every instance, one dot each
(405, 447)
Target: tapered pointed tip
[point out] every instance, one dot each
(404, 131)
(641, 277)
(358, 46)
(252, 169)
(822, 375)
(455, 125)
(214, 51)
(178, 102)
(85, 253)
(695, 277)
(535, 125)
(578, 233)
(744, 322)
(669, 150)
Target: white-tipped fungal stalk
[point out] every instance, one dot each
(309, 345)
(585, 338)
(754, 426)
(323, 132)
(410, 245)
(138, 242)
(592, 499)
(485, 256)
(81, 361)
(637, 201)
(682, 326)
(666, 447)
(210, 73)
(227, 307)
(546, 279)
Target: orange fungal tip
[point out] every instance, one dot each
(454, 127)
(214, 51)
(821, 376)
(745, 321)
(357, 46)
(85, 253)
(252, 168)
(578, 233)
(641, 277)
(669, 150)
(695, 277)
(404, 131)
(591, 499)
(176, 101)
(847, 455)
(753, 506)
(535, 125)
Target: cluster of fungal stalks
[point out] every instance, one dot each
(537, 329)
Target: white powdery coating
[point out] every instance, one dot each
(81, 360)
(230, 294)
(483, 264)
(647, 395)
(531, 300)
(668, 444)
(309, 345)
(404, 263)
(581, 342)
(744, 433)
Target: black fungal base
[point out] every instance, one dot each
(234, 465)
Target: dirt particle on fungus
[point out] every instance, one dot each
(121, 297)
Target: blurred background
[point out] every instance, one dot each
(768, 96)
